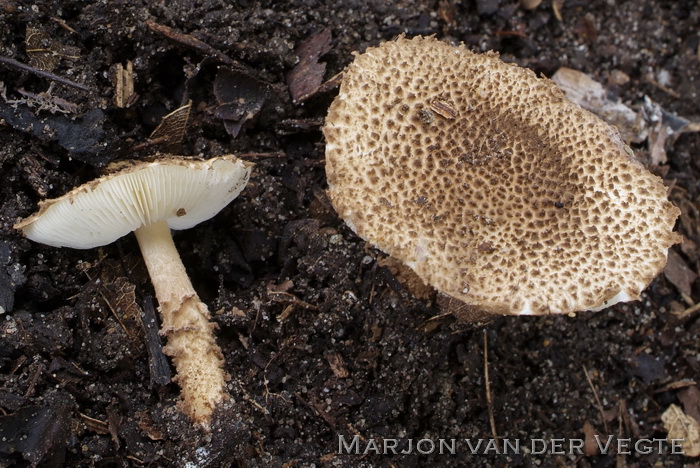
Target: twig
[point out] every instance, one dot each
(64, 25)
(689, 310)
(622, 409)
(116, 316)
(688, 300)
(137, 460)
(597, 399)
(288, 297)
(42, 73)
(314, 407)
(33, 379)
(16, 367)
(48, 102)
(489, 400)
(191, 41)
(249, 399)
(95, 425)
(147, 143)
(650, 79)
(274, 154)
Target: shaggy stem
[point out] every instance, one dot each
(190, 338)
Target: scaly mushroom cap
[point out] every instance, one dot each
(181, 190)
(492, 186)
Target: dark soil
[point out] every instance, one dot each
(319, 340)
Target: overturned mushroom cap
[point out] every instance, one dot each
(493, 187)
(181, 190)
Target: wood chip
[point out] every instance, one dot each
(124, 93)
(146, 424)
(444, 108)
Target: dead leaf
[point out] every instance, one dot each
(647, 367)
(657, 144)
(119, 295)
(172, 128)
(307, 76)
(464, 312)
(239, 96)
(44, 52)
(590, 445)
(39, 433)
(408, 278)
(690, 397)
(149, 427)
(681, 426)
(45, 101)
(678, 273)
(591, 95)
(39, 49)
(690, 249)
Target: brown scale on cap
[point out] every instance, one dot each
(492, 186)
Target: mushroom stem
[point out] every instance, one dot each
(190, 339)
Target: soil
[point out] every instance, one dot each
(319, 339)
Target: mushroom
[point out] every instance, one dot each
(489, 184)
(150, 198)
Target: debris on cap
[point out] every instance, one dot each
(489, 184)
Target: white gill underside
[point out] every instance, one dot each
(99, 213)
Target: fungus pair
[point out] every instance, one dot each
(489, 184)
(476, 174)
(150, 199)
